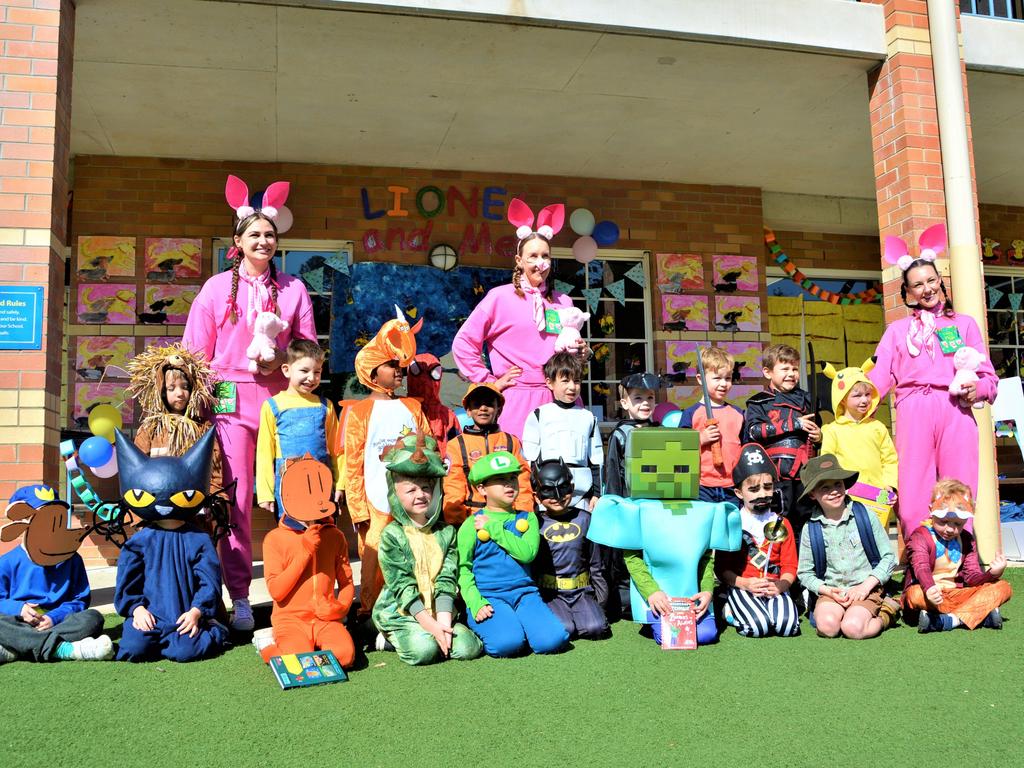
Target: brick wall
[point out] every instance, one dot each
(36, 50)
(1002, 223)
(817, 250)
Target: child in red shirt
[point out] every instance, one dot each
(757, 578)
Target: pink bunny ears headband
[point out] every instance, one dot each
(237, 195)
(932, 242)
(549, 220)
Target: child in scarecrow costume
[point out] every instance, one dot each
(174, 388)
(369, 426)
(419, 560)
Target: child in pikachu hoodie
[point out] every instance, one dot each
(859, 440)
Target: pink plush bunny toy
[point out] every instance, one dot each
(966, 361)
(572, 320)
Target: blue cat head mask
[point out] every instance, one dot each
(164, 487)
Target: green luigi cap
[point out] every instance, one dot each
(494, 465)
(822, 468)
(414, 456)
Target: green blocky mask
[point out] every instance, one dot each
(663, 464)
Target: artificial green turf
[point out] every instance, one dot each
(902, 699)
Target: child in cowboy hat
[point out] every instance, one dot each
(945, 580)
(845, 556)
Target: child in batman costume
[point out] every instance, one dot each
(568, 565)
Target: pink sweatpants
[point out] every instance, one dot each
(237, 434)
(934, 438)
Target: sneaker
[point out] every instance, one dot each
(6, 655)
(382, 643)
(92, 649)
(994, 620)
(261, 638)
(933, 621)
(243, 620)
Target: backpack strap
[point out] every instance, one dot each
(867, 539)
(461, 440)
(813, 530)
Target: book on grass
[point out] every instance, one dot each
(299, 670)
(679, 626)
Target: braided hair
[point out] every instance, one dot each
(517, 272)
(240, 227)
(947, 310)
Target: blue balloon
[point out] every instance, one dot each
(606, 233)
(95, 452)
(464, 418)
(256, 199)
(672, 419)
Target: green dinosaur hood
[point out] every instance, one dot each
(414, 456)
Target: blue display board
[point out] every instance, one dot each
(21, 317)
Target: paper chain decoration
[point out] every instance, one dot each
(798, 277)
(104, 510)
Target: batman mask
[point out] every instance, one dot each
(551, 480)
(165, 487)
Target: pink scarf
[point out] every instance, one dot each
(538, 301)
(922, 331)
(259, 295)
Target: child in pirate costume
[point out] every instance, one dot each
(369, 426)
(757, 578)
(419, 560)
(568, 565)
(174, 388)
(483, 403)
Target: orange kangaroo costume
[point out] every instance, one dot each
(302, 559)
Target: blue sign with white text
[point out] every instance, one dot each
(21, 317)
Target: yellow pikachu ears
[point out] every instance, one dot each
(828, 370)
(868, 364)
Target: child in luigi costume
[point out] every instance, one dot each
(419, 561)
(845, 556)
(504, 605)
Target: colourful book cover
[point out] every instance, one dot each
(679, 626)
(300, 670)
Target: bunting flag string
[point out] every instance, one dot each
(798, 277)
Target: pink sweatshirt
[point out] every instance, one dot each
(896, 368)
(210, 331)
(504, 322)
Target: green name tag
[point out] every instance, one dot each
(949, 339)
(227, 397)
(551, 322)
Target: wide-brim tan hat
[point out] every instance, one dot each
(822, 468)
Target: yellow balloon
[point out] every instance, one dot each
(103, 420)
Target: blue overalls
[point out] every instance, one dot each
(299, 431)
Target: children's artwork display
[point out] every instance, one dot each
(167, 304)
(681, 360)
(169, 259)
(731, 273)
(88, 396)
(94, 353)
(106, 304)
(365, 299)
(737, 313)
(679, 272)
(100, 258)
(746, 357)
(684, 313)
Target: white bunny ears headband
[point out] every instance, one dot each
(932, 242)
(549, 220)
(237, 194)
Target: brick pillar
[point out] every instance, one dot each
(905, 140)
(37, 38)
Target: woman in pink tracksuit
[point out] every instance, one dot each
(936, 434)
(220, 325)
(517, 324)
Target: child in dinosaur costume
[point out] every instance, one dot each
(419, 561)
(668, 537)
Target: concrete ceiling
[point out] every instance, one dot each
(215, 80)
(997, 113)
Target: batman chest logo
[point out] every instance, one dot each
(561, 532)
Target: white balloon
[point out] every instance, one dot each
(284, 220)
(107, 470)
(581, 221)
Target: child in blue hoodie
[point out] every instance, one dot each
(44, 592)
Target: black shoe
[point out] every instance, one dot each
(994, 620)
